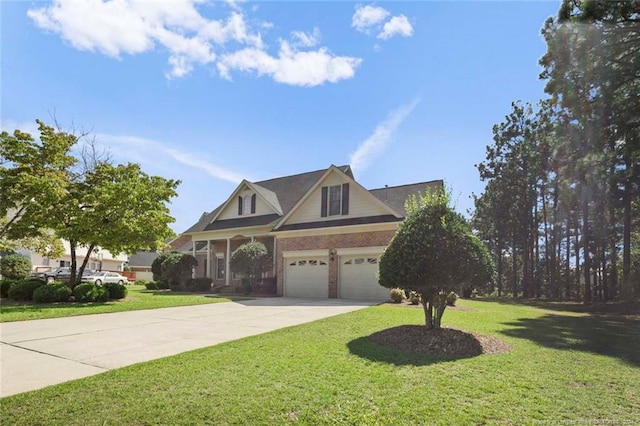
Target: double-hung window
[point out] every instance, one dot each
(335, 200)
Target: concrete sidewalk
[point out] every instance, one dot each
(35, 354)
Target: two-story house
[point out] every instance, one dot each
(327, 232)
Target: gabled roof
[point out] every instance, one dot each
(283, 192)
(395, 196)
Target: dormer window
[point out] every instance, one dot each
(335, 200)
(246, 205)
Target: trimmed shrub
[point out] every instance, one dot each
(89, 292)
(396, 295)
(15, 267)
(151, 286)
(101, 294)
(414, 298)
(23, 289)
(163, 285)
(116, 291)
(199, 284)
(451, 299)
(4, 287)
(141, 282)
(50, 293)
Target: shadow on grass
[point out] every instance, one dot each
(10, 307)
(609, 335)
(611, 308)
(365, 348)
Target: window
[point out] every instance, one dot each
(335, 200)
(246, 205)
(220, 268)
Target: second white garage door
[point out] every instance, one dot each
(306, 277)
(358, 280)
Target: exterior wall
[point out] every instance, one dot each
(330, 242)
(361, 203)
(231, 210)
(109, 262)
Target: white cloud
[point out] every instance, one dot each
(303, 39)
(291, 66)
(375, 144)
(367, 18)
(157, 154)
(131, 27)
(398, 25)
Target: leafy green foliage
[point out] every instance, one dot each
(414, 298)
(34, 178)
(151, 285)
(23, 290)
(115, 290)
(85, 200)
(15, 267)
(433, 253)
(156, 266)
(5, 285)
(199, 284)
(51, 293)
(177, 268)
(89, 292)
(251, 259)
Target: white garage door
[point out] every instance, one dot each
(358, 278)
(306, 277)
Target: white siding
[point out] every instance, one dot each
(231, 210)
(361, 203)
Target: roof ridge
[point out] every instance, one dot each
(406, 184)
(300, 174)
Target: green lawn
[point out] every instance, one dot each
(138, 298)
(565, 366)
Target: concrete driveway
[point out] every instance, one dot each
(35, 354)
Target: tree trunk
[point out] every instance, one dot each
(427, 306)
(499, 267)
(72, 279)
(585, 250)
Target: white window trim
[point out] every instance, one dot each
(339, 186)
(377, 250)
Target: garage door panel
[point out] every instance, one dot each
(307, 277)
(358, 278)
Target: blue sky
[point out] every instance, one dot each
(213, 92)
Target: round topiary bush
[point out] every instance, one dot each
(116, 291)
(100, 294)
(23, 289)
(15, 267)
(50, 293)
(151, 286)
(84, 292)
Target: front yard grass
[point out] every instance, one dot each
(565, 367)
(138, 298)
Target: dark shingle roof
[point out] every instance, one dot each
(142, 258)
(395, 196)
(340, 222)
(288, 190)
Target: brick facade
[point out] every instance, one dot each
(331, 243)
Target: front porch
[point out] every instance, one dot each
(214, 257)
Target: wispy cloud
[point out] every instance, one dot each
(375, 144)
(141, 148)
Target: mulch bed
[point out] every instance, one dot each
(448, 342)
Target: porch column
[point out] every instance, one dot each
(274, 257)
(227, 270)
(208, 271)
(193, 252)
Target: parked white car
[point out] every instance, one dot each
(100, 278)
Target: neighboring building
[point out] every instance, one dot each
(99, 260)
(140, 263)
(326, 230)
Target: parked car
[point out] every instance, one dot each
(62, 273)
(100, 278)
